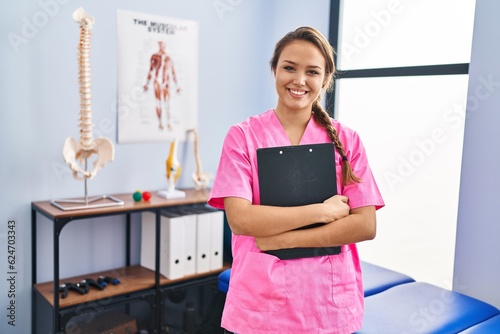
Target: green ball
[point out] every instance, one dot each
(137, 196)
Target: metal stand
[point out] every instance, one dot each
(86, 202)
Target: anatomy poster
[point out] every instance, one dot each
(157, 77)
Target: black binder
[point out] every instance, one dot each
(297, 175)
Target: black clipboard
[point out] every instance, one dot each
(297, 175)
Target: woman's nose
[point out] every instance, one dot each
(299, 79)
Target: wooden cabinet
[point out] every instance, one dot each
(139, 287)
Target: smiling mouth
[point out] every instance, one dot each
(297, 92)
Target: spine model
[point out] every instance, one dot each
(101, 150)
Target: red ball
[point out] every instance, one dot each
(146, 195)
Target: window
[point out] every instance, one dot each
(402, 84)
(395, 33)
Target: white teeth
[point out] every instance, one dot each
(296, 92)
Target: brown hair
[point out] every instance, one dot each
(320, 115)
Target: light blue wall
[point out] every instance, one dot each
(39, 110)
(477, 255)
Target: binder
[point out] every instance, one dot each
(190, 242)
(210, 238)
(203, 242)
(172, 243)
(148, 228)
(297, 175)
(217, 239)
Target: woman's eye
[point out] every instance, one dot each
(288, 68)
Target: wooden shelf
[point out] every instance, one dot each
(52, 212)
(132, 279)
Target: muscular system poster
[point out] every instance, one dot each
(157, 77)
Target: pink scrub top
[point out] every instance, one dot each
(267, 295)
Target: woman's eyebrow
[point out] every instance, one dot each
(294, 63)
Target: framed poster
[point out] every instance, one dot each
(157, 77)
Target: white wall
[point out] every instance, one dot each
(477, 255)
(39, 110)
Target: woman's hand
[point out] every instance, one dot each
(336, 207)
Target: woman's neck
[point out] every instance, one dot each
(294, 123)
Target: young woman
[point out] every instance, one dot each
(321, 294)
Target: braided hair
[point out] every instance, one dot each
(320, 115)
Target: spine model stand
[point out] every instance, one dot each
(77, 154)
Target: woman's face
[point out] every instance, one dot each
(300, 76)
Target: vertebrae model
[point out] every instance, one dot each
(77, 153)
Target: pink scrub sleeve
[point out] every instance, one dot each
(234, 174)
